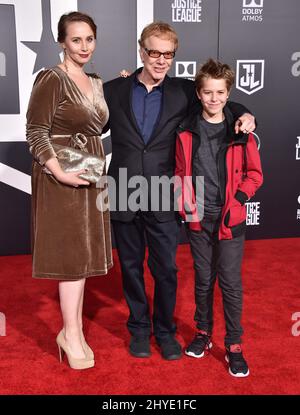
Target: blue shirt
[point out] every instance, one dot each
(146, 107)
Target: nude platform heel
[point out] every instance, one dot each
(74, 363)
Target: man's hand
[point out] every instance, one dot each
(245, 124)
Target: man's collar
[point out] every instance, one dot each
(138, 82)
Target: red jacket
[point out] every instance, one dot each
(240, 175)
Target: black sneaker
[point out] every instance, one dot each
(200, 345)
(237, 364)
(140, 346)
(170, 349)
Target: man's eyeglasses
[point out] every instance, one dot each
(157, 54)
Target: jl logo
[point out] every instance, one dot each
(250, 75)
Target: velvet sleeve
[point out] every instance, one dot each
(44, 100)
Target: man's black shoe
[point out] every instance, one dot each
(140, 346)
(170, 349)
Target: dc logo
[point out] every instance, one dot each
(185, 69)
(250, 75)
(253, 3)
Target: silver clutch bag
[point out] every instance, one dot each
(72, 159)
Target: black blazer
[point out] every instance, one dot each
(157, 157)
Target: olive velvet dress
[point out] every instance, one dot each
(70, 235)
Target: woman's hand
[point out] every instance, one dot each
(72, 178)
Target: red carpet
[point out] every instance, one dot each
(29, 357)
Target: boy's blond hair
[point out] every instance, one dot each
(215, 70)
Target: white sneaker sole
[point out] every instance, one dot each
(237, 375)
(198, 356)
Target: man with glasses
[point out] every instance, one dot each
(145, 110)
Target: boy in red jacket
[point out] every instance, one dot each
(208, 147)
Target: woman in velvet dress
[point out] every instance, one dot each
(71, 236)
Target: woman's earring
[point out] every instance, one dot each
(65, 63)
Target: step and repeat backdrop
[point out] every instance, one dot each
(258, 38)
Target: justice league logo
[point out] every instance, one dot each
(188, 11)
(253, 213)
(250, 75)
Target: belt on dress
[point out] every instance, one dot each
(77, 139)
